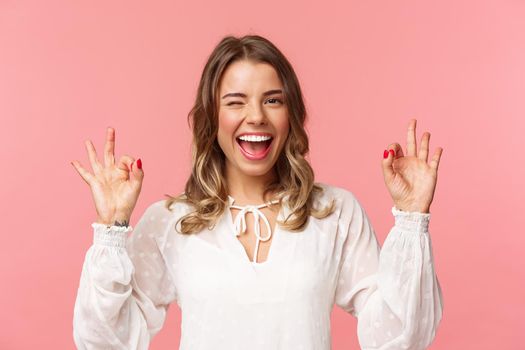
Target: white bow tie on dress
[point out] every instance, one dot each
(240, 222)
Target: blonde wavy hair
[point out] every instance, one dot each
(206, 189)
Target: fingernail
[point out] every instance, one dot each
(139, 163)
(385, 154)
(392, 151)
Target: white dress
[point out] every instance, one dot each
(128, 282)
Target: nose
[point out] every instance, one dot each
(256, 116)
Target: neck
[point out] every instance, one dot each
(247, 189)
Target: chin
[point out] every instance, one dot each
(255, 169)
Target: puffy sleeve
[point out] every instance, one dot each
(393, 291)
(125, 288)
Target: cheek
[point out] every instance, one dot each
(227, 126)
(282, 125)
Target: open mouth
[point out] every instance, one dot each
(255, 149)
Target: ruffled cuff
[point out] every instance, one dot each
(411, 220)
(114, 236)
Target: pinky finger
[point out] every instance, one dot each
(434, 163)
(86, 175)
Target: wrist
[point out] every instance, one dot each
(117, 220)
(413, 208)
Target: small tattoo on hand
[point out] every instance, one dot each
(123, 223)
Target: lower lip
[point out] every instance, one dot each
(250, 156)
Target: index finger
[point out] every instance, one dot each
(109, 148)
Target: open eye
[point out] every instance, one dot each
(275, 99)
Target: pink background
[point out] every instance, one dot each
(67, 71)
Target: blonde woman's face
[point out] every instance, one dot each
(253, 117)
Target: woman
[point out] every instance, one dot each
(254, 252)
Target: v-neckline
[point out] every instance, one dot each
(275, 236)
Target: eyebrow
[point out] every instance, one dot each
(240, 94)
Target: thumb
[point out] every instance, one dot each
(387, 165)
(124, 163)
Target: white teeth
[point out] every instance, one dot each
(253, 138)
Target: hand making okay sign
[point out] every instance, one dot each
(410, 179)
(115, 187)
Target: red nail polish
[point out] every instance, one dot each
(385, 154)
(392, 151)
(139, 163)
